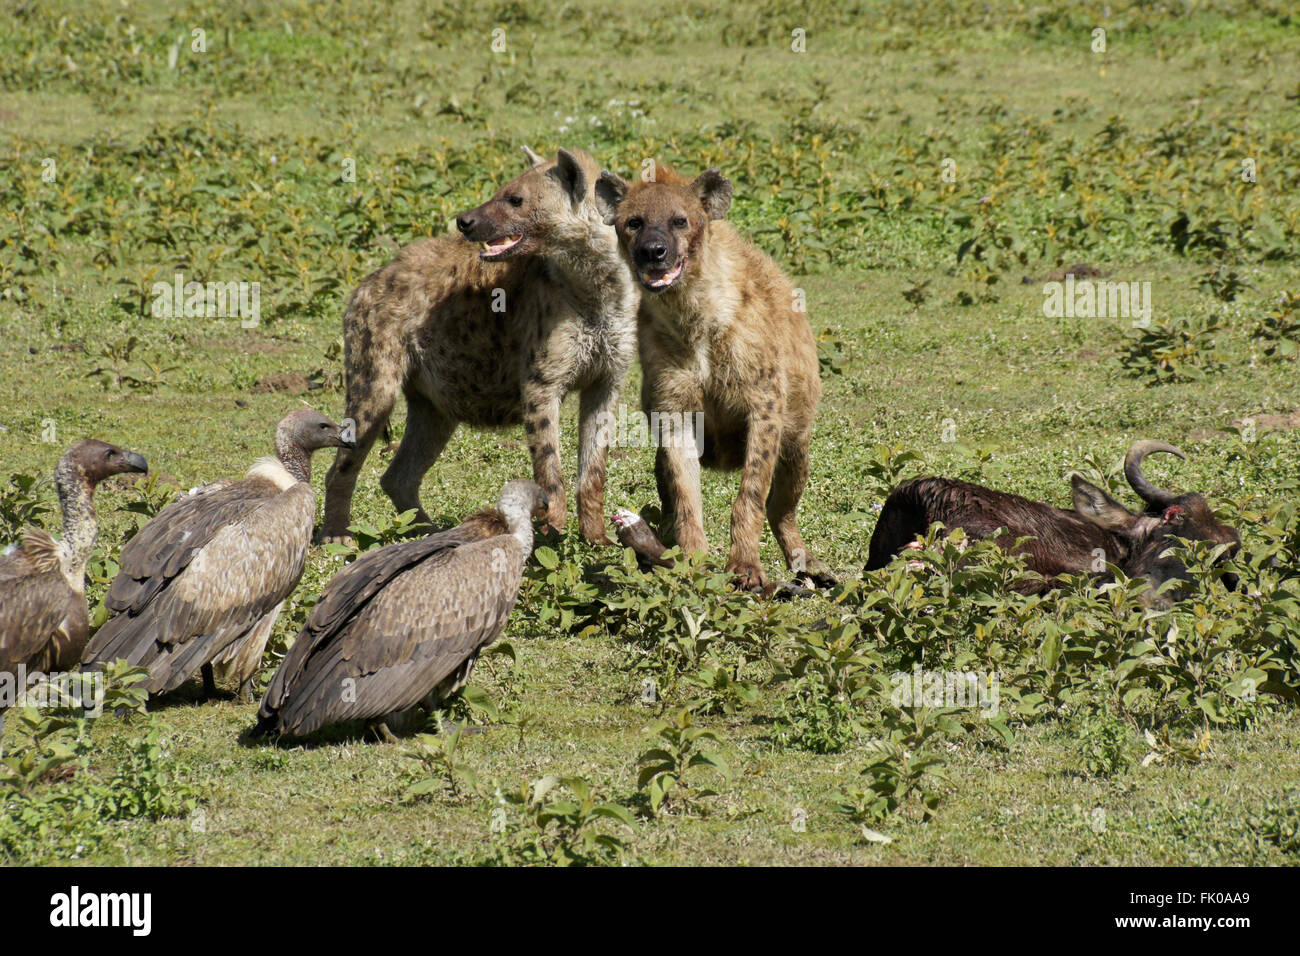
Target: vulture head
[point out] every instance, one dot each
(520, 502)
(306, 430)
(309, 430)
(91, 461)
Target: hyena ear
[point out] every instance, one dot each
(610, 193)
(533, 158)
(571, 176)
(1093, 504)
(714, 192)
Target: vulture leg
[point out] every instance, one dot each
(246, 691)
(381, 731)
(427, 434)
(209, 683)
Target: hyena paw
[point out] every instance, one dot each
(344, 539)
(816, 578)
(554, 518)
(749, 576)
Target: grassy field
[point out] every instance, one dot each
(910, 168)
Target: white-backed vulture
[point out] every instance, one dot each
(203, 582)
(404, 624)
(43, 618)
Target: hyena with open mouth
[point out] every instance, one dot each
(721, 331)
(494, 329)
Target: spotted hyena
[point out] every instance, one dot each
(494, 328)
(721, 331)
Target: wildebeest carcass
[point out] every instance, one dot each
(1097, 531)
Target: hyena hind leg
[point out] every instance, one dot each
(370, 412)
(427, 434)
(788, 483)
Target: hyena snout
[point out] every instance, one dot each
(652, 253)
(658, 260)
(500, 235)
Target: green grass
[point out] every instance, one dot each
(228, 167)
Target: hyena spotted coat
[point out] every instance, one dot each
(720, 332)
(494, 329)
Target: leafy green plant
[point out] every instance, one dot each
(1101, 741)
(375, 534)
(1180, 350)
(811, 718)
(667, 771)
(557, 595)
(23, 504)
(1279, 329)
(550, 829)
(886, 466)
(441, 763)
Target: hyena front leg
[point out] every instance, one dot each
(761, 449)
(782, 504)
(595, 428)
(542, 399)
(427, 433)
(370, 401)
(677, 472)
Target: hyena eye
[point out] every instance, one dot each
(679, 222)
(515, 200)
(634, 223)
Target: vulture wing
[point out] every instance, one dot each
(189, 596)
(164, 547)
(33, 602)
(393, 626)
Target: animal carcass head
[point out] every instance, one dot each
(1148, 536)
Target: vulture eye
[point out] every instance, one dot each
(634, 223)
(679, 222)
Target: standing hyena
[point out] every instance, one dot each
(492, 335)
(721, 332)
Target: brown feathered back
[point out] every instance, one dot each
(396, 624)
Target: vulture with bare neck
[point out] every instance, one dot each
(203, 582)
(404, 624)
(43, 619)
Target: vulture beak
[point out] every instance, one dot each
(348, 433)
(135, 461)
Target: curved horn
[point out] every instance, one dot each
(1133, 471)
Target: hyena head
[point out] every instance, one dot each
(661, 224)
(549, 204)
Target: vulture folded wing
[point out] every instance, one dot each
(244, 569)
(350, 591)
(412, 635)
(32, 606)
(164, 547)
